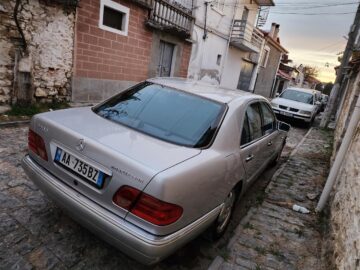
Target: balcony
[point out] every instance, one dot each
(265, 3)
(144, 3)
(173, 17)
(246, 37)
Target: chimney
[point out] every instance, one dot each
(272, 30)
(276, 32)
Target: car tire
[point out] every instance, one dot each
(223, 220)
(276, 159)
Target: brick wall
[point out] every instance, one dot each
(185, 60)
(101, 54)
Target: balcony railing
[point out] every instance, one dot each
(246, 37)
(172, 16)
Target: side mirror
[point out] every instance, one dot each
(317, 103)
(283, 126)
(277, 94)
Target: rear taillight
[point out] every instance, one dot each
(126, 196)
(36, 144)
(147, 207)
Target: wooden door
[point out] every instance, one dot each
(166, 57)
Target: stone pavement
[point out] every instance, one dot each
(272, 235)
(36, 234)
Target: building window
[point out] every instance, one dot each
(114, 17)
(265, 57)
(218, 6)
(218, 59)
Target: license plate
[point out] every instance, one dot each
(81, 168)
(286, 113)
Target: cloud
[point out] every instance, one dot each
(313, 40)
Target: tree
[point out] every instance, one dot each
(320, 87)
(327, 88)
(310, 71)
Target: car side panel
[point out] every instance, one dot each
(197, 185)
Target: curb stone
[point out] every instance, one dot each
(217, 262)
(282, 167)
(14, 123)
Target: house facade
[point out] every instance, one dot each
(119, 43)
(288, 76)
(85, 51)
(60, 50)
(311, 82)
(226, 44)
(273, 51)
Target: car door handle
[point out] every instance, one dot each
(269, 143)
(250, 157)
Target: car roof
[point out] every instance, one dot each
(306, 90)
(207, 90)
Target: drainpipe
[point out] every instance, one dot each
(273, 84)
(16, 10)
(205, 20)
(354, 121)
(228, 42)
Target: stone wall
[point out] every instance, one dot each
(49, 31)
(345, 205)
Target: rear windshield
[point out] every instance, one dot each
(298, 96)
(165, 113)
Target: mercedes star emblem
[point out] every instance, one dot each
(80, 145)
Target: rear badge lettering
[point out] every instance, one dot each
(125, 173)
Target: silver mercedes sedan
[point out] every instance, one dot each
(154, 166)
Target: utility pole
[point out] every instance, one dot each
(330, 108)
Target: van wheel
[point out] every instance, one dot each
(309, 125)
(223, 219)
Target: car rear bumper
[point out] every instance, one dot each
(293, 115)
(135, 242)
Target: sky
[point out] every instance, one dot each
(314, 40)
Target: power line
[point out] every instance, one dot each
(331, 45)
(295, 6)
(318, 6)
(308, 3)
(312, 14)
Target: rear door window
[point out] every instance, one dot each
(269, 120)
(252, 124)
(254, 116)
(245, 134)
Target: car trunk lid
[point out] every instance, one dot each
(126, 156)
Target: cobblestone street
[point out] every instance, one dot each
(36, 234)
(273, 236)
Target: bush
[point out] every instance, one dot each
(29, 110)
